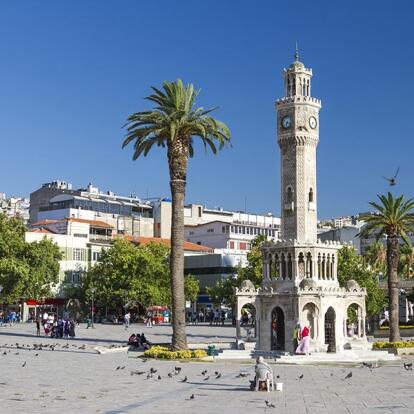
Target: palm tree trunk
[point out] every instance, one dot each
(179, 339)
(393, 288)
(178, 154)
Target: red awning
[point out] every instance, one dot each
(51, 301)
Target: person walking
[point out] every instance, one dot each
(127, 319)
(304, 344)
(296, 336)
(148, 320)
(38, 326)
(66, 329)
(72, 328)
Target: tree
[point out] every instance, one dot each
(352, 266)
(27, 270)
(393, 218)
(405, 266)
(174, 123)
(127, 272)
(376, 256)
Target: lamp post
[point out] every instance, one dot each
(92, 310)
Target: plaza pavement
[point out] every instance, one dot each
(73, 380)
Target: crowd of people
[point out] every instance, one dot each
(55, 328)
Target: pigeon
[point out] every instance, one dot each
(137, 372)
(185, 379)
(5, 353)
(349, 375)
(393, 180)
(242, 375)
(277, 376)
(204, 372)
(153, 371)
(206, 378)
(17, 353)
(82, 347)
(149, 375)
(24, 364)
(178, 369)
(123, 367)
(192, 397)
(408, 367)
(216, 372)
(301, 376)
(159, 377)
(170, 375)
(269, 405)
(218, 376)
(118, 367)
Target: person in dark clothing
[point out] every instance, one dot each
(38, 326)
(72, 329)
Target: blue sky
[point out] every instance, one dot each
(71, 72)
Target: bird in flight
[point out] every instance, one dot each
(393, 180)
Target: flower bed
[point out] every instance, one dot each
(386, 328)
(399, 344)
(163, 352)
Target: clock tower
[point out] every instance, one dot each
(298, 136)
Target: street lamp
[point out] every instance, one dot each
(93, 290)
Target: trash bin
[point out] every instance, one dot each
(211, 350)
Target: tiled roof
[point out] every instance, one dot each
(167, 242)
(45, 222)
(92, 223)
(41, 230)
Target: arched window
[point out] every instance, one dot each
(309, 269)
(310, 195)
(290, 267)
(308, 86)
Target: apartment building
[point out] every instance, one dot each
(57, 200)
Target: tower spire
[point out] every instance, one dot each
(296, 55)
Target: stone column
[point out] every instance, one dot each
(295, 270)
(266, 275)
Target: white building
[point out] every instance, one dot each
(14, 206)
(57, 201)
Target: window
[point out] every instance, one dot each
(289, 195)
(227, 229)
(96, 256)
(210, 230)
(199, 212)
(191, 233)
(232, 229)
(231, 244)
(223, 229)
(311, 196)
(242, 246)
(79, 254)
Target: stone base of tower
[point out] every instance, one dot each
(323, 309)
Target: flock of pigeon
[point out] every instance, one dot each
(9, 349)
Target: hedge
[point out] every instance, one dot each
(385, 328)
(163, 352)
(399, 344)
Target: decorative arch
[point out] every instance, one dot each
(330, 321)
(289, 194)
(310, 195)
(309, 265)
(310, 314)
(301, 265)
(277, 328)
(355, 320)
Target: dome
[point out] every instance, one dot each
(307, 284)
(247, 285)
(297, 65)
(352, 284)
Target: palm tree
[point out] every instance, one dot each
(406, 261)
(393, 218)
(376, 255)
(174, 122)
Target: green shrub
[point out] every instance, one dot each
(399, 344)
(163, 352)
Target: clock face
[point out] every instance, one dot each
(312, 122)
(286, 122)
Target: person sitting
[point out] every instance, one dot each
(145, 343)
(263, 372)
(132, 340)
